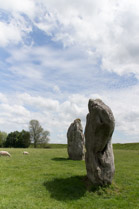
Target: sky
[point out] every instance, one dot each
(56, 55)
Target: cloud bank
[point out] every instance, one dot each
(55, 55)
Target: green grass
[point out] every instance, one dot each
(57, 146)
(46, 179)
(50, 146)
(127, 146)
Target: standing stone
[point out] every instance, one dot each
(99, 157)
(75, 139)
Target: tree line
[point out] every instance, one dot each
(23, 139)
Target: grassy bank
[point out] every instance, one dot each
(56, 146)
(127, 146)
(46, 179)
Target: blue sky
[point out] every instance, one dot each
(56, 55)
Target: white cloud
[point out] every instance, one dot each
(9, 33)
(56, 89)
(14, 6)
(14, 30)
(124, 105)
(39, 102)
(3, 98)
(56, 116)
(108, 29)
(27, 71)
(95, 34)
(13, 117)
(49, 68)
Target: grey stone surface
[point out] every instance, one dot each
(99, 156)
(75, 140)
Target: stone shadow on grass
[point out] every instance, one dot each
(64, 189)
(60, 159)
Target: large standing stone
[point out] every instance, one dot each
(75, 139)
(99, 152)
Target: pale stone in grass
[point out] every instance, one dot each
(75, 138)
(99, 156)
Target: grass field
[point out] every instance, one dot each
(128, 146)
(46, 179)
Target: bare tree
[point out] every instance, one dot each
(37, 134)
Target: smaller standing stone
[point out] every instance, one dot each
(75, 139)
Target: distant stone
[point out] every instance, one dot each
(75, 139)
(99, 156)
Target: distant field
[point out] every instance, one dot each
(127, 146)
(47, 179)
(57, 146)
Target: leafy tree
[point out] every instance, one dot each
(3, 136)
(37, 133)
(12, 139)
(18, 139)
(24, 139)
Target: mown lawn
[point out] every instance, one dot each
(46, 179)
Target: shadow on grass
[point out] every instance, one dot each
(64, 189)
(73, 188)
(60, 159)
